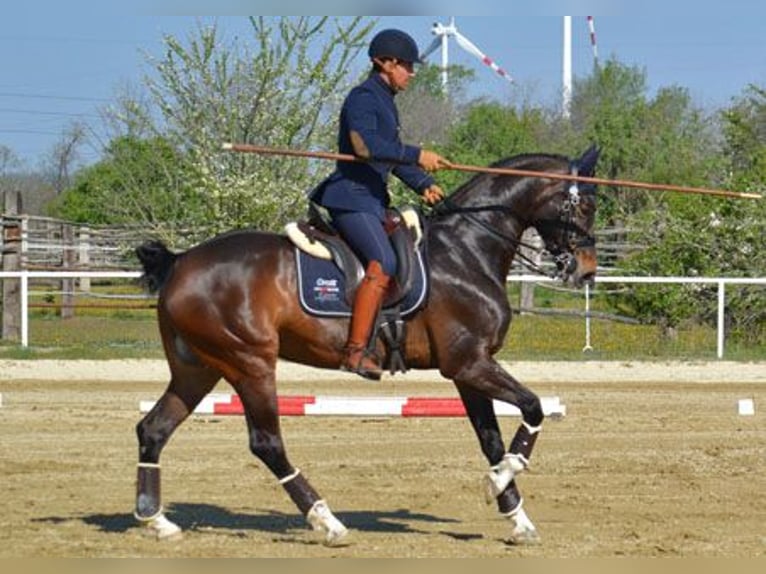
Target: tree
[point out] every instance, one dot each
(139, 181)
(694, 236)
(280, 87)
(664, 139)
(489, 131)
(62, 159)
(426, 112)
(282, 93)
(9, 161)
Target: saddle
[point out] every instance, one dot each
(329, 273)
(318, 238)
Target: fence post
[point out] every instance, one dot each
(83, 256)
(67, 285)
(534, 252)
(721, 317)
(11, 262)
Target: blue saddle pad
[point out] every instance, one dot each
(322, 287)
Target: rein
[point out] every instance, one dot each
(574, 236)
(448, 207)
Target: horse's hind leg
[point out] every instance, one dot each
(259, 398)
(187, 387)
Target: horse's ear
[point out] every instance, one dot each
(588, 160)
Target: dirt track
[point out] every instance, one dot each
(640, 466)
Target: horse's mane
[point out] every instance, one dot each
(530, 161)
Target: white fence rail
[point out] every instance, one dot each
(721, 282)
(25, 276)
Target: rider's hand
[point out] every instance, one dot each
(433, 194)
(431, 161)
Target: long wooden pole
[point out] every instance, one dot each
(249, 148)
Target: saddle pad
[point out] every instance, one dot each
(322, 287)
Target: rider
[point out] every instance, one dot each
(356, 193)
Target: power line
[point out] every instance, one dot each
(47, 97)
(47, 113)
(35, 132)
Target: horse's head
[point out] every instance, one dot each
(566, 219)
(562, 211)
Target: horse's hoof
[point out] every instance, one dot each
(162, 528)
(524, 531)
(321, 519)
(338, 538)
(524, 538)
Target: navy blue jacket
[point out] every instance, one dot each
(370, 116)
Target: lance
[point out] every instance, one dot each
(265, 150)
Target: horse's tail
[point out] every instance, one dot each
(157, 261)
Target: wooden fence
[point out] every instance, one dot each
(35, 243)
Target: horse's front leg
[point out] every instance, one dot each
(499, 482)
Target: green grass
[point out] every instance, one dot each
(531, 338)
(132, 333)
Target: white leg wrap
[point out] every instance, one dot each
(322, 519)
(285, 479)
(160, 526)
(500, 476)
(524, 532)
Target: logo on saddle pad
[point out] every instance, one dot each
(326, 290)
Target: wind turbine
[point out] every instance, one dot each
(443, 33)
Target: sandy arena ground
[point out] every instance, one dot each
(650, 460)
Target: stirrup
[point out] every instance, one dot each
(373, 372)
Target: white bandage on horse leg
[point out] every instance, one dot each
(531, 429)
(322, 519)
(500, 476)
(285, 479)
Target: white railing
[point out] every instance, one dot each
(721, 282)
(25, 276)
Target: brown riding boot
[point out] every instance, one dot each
(369, 298)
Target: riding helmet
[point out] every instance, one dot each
(393, 43)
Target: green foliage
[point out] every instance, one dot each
(693, 236)
(490, 131)
(281, 92)
(663, 139)
(138, 179)
(280, 87)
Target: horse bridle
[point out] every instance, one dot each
(575, 237)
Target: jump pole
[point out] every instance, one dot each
(354, 406)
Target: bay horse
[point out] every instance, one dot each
(228, 308)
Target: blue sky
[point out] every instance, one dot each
(61, 65)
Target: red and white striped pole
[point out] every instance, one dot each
(593, 45)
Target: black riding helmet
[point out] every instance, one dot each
(394, 44)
